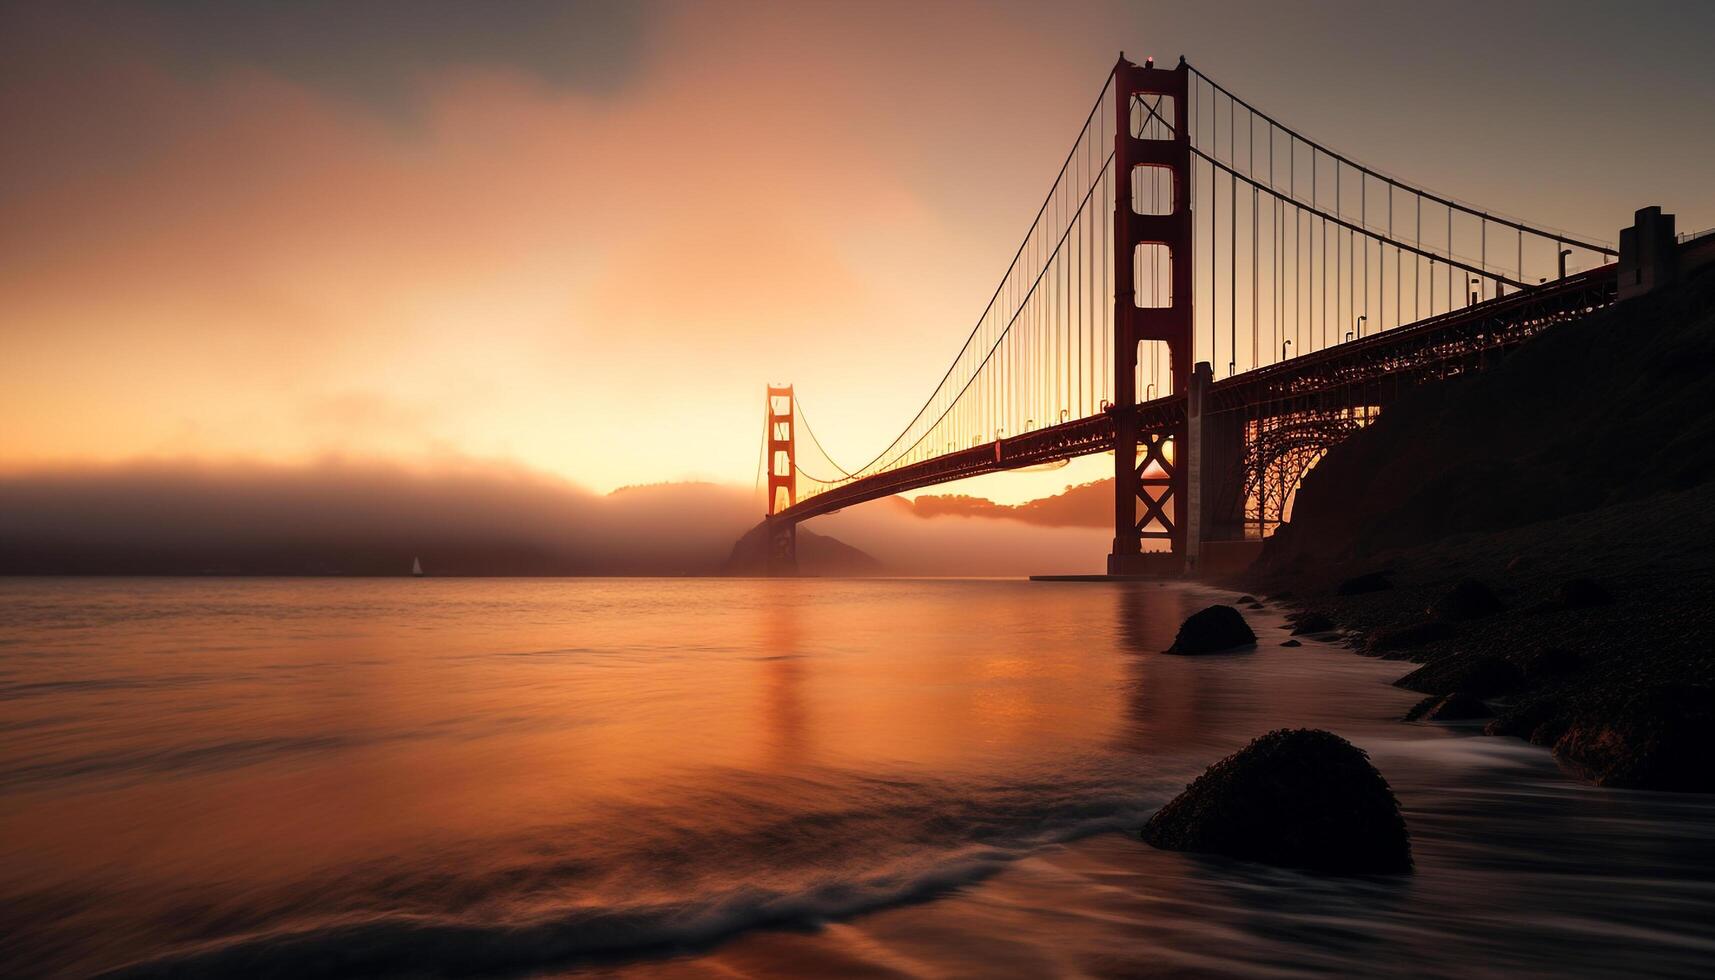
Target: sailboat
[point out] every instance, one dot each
(416, 567)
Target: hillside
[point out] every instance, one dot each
(1572, 483)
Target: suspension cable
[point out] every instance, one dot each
(1441, 199)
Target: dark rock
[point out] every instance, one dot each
(1547, 663)
(1582, 593)
(1537, 720)
(1254, 605)
(1469, 599)
(1657, 738)
(1482, 674)
(1518, 564)
(1291, 643)
(1372, 582)
(1211, 630)
(1312, 622)
(1394, 638)
(1421, 708)
(1295, 798)
(1457, 706)
(1246, 598)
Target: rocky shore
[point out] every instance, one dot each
(1541, 539)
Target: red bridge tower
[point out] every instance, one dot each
(782, 480)
(1151, 140)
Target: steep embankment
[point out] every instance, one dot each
(1574, 482)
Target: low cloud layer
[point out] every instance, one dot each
(343, 517)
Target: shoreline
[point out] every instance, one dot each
(1559, 671)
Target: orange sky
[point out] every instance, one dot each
(242, 254)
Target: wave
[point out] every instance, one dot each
(445, 945)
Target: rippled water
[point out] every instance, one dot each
(710, 778)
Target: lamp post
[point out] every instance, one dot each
(1476, 284)
(1283, 346)
(1149, 391)
(1563, 254)
(1361, 326)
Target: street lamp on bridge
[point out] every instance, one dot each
(1283, 346)
(1361, 326)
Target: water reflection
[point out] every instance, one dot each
(475, 777)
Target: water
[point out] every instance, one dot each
(718, 778)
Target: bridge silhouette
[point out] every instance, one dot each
(1217, 307)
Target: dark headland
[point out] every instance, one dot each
(1541, 538)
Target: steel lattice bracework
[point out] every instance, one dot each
(1151, 141)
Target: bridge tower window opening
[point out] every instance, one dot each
(1152, 276)
(1152, 190)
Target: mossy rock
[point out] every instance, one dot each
(1297, 798)
(1657, 738)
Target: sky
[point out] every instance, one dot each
(581, 239)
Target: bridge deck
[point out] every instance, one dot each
(1429, 348)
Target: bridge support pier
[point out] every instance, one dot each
(782, 547)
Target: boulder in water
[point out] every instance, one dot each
(1295, 798)
(1291, 643)
(1246, 599)
(1657, 738)
(1312, 622)
(1360, 584)
(1468, 599)
(1212, 630)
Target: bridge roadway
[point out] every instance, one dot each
(1363, 371)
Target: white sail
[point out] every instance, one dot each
(416, 566)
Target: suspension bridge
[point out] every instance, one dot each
(1216, 305)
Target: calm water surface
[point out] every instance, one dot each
(749, 778)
